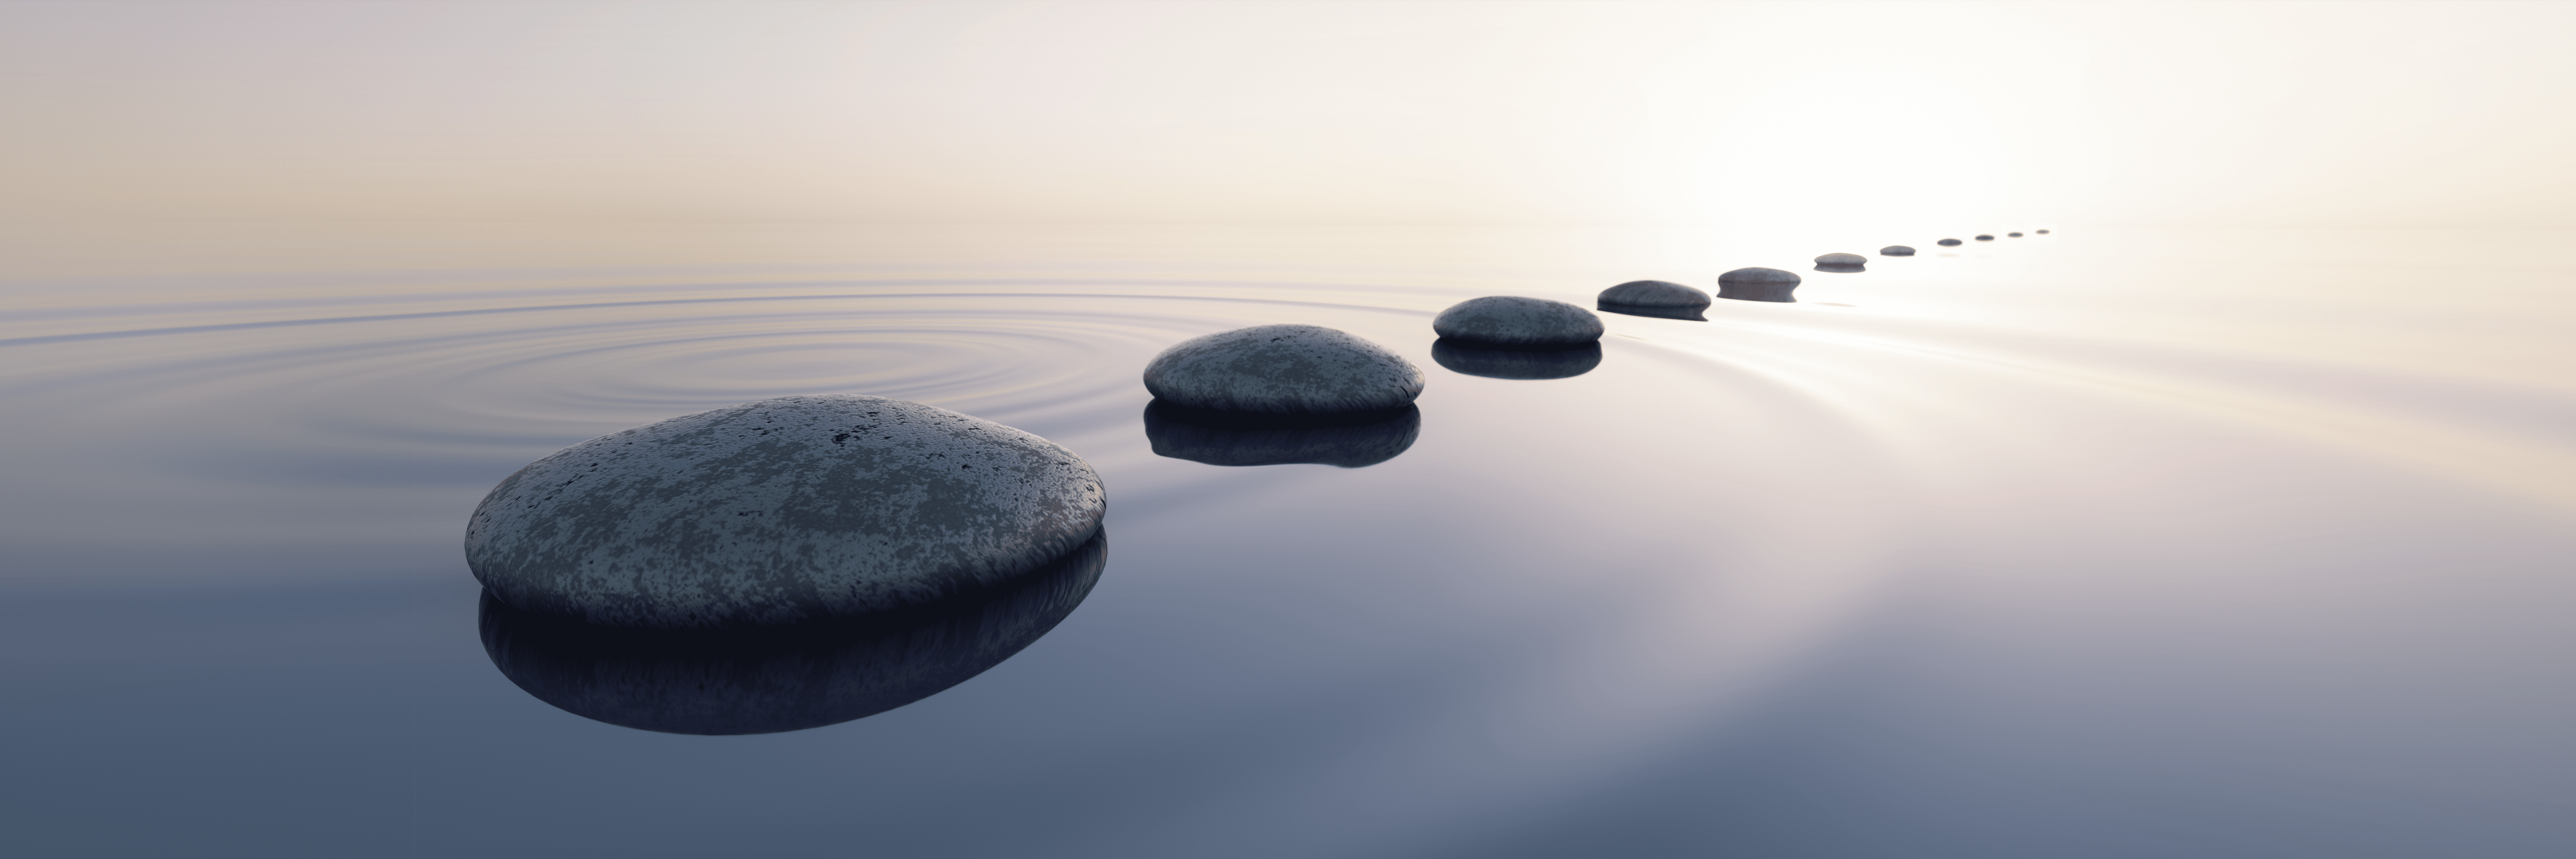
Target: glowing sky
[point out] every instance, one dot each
(2302, 114)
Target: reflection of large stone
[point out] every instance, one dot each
(1757, 284)
(780, 511)
(1468, 358)
(1219, 438)
(1283, 370)
(1518, 322)
(764, 680)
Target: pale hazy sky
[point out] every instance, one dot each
(2323, 114)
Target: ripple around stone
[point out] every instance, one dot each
(1284, 370)
(1518, 322)
(1474, 360)
(786, 678)
(1757, 284)
(1232, 439)
(783, 511)
(1896, 251)
(1652, 293)
(1948, 243)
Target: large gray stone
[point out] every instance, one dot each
(1757, 284)
(1896, 251)
(1517, 322)
(1654, 293)
(1285, 370)
(780, 511)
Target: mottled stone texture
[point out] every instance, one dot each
(1757, 284)
(1841, 259)
(1896, 251)
(1283, 369)
(1511, 320)
(780, 511)
(1652, 293)
(1514, 364)
(767, 679)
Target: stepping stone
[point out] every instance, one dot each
(1514, 321)
(1896, 251)
(1284, 370)
(1757, 284)
(782, 511)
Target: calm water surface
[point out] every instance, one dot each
(2094, 544)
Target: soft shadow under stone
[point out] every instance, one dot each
(770, 679)
(1519, 364)
(1234, 439)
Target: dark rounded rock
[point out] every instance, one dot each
(781, 511)
(2041, 232)
(1842, 259)
(1896, 251)
(763, 680)
(1474, 360)
(1283, 369)
(1949, 243)
(1757, 284)
(1515, 321)
(2012, 235)
(1653, 293)
(1236, 439)
(1985, 238)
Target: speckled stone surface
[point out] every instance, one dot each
(1896, 251)
(1949, 243)
(1653, 293)
(1283, 369)
(1841, 259)
(1511, 320)
(780, 511)
(1757, 284)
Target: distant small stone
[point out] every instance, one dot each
(1757, 284)
(1985, 238)
(1285, 370)
(1949, 243)
(782, 511)
(1896, 251)
(2012, 235)
(1653, 293)
(1514, 321)
(1842, 259)
(1511, 364)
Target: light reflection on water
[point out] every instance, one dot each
(2015, 552)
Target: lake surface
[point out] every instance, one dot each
(2102, 544)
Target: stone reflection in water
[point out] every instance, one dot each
(1230, 438)
(765, 680)
(1516, 364)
